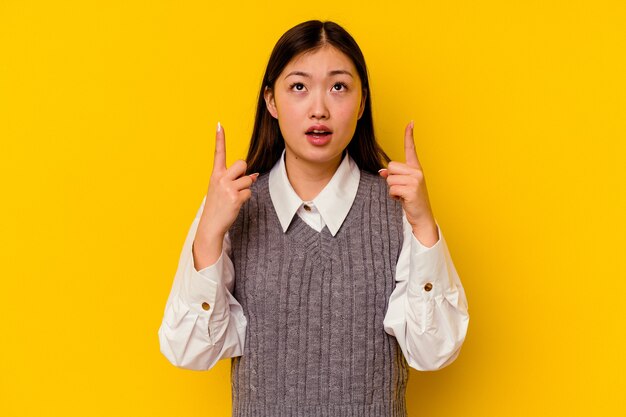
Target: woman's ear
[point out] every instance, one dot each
(363, 100)
(270, 103)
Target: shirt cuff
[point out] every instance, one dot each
(428, 272)
(201, 287)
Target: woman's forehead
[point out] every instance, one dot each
(326, 60)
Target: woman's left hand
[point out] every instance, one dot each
(407, 184)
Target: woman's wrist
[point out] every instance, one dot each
(206, 250)
(426, 232)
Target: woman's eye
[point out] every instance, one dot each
(339, 86)
(298, 86)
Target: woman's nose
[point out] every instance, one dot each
(319, 109)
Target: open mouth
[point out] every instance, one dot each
(318, 133)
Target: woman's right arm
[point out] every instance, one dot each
(203, 322)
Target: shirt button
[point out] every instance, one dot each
(307, 208)
(428, 286)
(206, 306)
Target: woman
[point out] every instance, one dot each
(323, 275)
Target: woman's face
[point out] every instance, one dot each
(317, 100)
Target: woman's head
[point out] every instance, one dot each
(316, 75)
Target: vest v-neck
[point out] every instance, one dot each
(314, 242)
(304, 235)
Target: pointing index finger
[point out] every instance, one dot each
(409, 147)
(219, 159)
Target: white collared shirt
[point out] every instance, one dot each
(329, 208)
(203, 322)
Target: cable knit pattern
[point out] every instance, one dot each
(315, 303)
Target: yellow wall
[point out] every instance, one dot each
(107, 118)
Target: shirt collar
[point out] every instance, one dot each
(333, 202)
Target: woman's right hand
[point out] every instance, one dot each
(228, 189)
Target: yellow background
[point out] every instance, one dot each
(107, 118)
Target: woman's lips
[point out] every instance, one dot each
(319, 139)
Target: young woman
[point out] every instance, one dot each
(323, 275)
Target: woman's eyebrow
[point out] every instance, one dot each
(306, 74)
(335, 72)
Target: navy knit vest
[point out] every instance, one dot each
(315, 344)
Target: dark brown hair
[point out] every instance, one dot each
(267, 143)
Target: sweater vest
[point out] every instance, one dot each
(315, 345)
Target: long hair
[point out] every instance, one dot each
(267, 142)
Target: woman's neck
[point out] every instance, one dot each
(309, 179)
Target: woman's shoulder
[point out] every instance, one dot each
(261, 184)
(372, 180)
(377, 188)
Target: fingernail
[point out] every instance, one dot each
(382, 169)
(219, 126)
(412, 124)
(256, 174)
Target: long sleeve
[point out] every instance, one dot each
(427, 311)
(202, 322)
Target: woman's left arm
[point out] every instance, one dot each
(427, 310)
